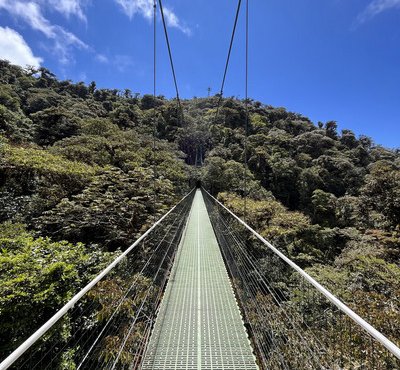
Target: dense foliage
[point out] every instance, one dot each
(329, 200)
(78, 173)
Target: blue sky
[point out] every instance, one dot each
(327, 59)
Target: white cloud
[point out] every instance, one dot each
(68, 8)
(64, 42)
(376, 7)
(14, 49)
(101, 58)
(119, 62)
(145, 9)
(123, 62)
(132, 7)
(173, 21)
(30, 12)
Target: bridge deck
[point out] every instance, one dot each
(199, 325)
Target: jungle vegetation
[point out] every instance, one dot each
(78, 173)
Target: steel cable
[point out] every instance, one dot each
(228, 59)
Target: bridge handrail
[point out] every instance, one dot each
(390, 346)
(18, 352)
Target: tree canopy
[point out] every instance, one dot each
(78, 171)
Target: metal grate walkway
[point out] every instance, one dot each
(199, 325)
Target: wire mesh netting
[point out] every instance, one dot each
(292, 324)
(110, 325)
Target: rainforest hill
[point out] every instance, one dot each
(79, 166)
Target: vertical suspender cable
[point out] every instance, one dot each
(247, 110)
(154, 102)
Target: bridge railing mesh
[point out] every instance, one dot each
(108, 327)
(292, 321)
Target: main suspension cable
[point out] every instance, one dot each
(170, 57)
(228, 58)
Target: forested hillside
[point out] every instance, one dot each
(78, 172)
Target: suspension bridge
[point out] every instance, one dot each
(200, 289)
(199, 325)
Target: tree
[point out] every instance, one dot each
(111, 211)
(126, 115)
(37, 277)
(92, 87)
(308, 181)
(33, 180)
(366, 282)
(313, 143)
(15, 125)
(212, 176)
(381, 192)
(9, 98)
(46, 78)
(291, 232)
(347, 211)
(149, 102)
(41, 99)
(283, 179)
(79, 90)
(331, 129)
(53, 124)
(338, 174)
(348, 139)
(324, 205)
